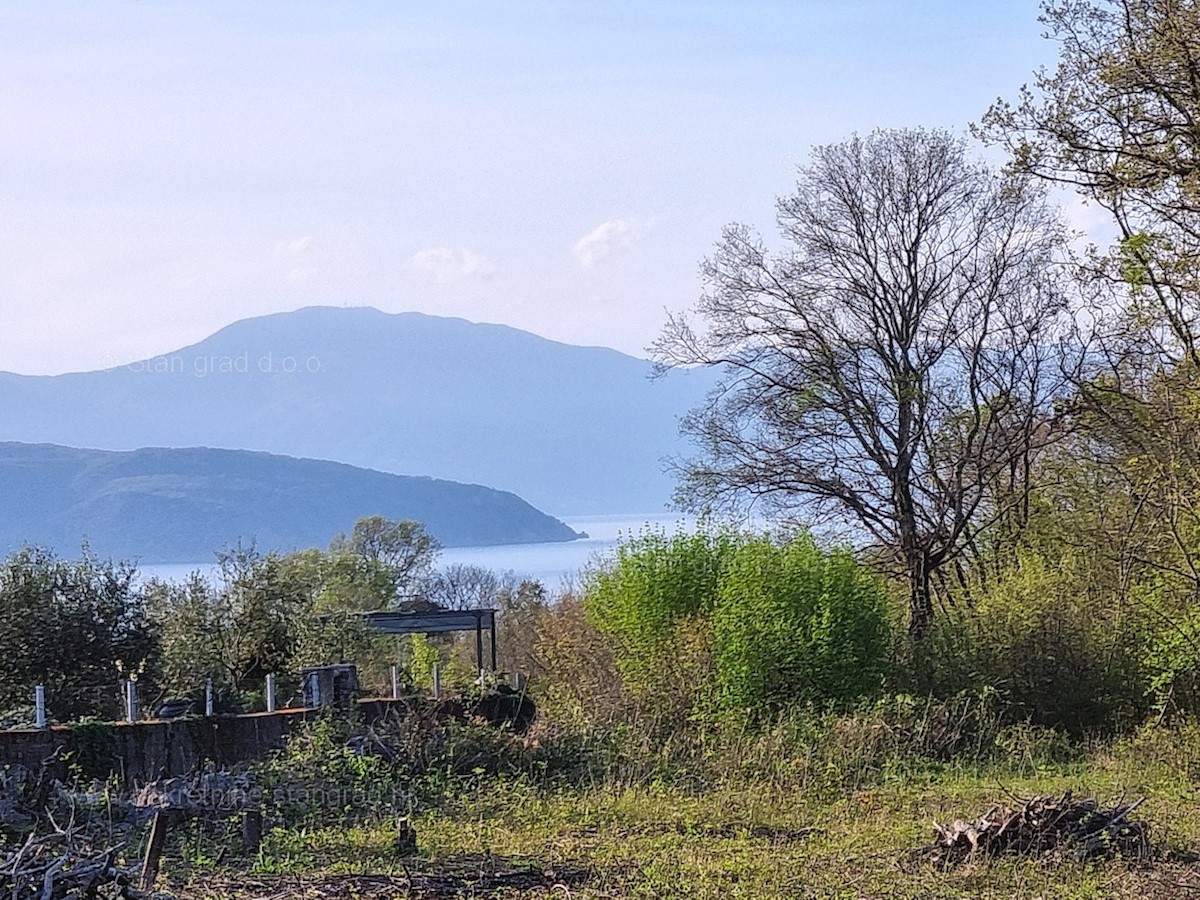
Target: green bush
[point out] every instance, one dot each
(1172, 655)
(793, 623)
(1059, 653)
(337, 768)
(318, 777)
(655, 582)
(745, 622)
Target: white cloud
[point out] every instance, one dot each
(295, 247)
(294, 255)
(604, 239)
(447, 264)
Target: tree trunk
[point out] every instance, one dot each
(920, 603)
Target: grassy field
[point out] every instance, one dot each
(764, 839)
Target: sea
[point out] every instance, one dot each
(557, 564)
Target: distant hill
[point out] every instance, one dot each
(180, 505)
(575, 430)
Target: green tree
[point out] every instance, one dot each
(276, 613)
(340, 586)
(73, 626)
(1116, 121)
(403, 550)
(236, 630)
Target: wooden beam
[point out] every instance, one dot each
(431, 622)
(163, 819)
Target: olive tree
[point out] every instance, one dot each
(273, 612)
(235, 629)
(890, 367)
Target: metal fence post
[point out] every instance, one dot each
(395, 683)
(208, 696)
(131, 700)
(270, 693)
(39, 702)
(437, 682)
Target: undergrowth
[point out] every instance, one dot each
(818, 806)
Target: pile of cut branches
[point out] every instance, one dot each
(1045, 826)
(67, 862)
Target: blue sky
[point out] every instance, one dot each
(169, 167)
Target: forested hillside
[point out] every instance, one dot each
(159, 505)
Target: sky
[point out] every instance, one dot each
(167, 168)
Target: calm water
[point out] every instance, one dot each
(552, 564)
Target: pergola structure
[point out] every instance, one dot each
(440, 621)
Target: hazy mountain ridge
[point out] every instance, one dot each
(179, 505)
(571, 429)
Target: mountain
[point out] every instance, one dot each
(160, 505)
(574, 430)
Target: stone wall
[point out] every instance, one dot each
(145, 751)
(149, 750)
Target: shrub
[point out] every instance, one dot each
(1172, 656)
(336, 768)
(1058, 654)
(318, 777)
(575, 676)
(743, 622)
(655, 581)
(795, 624)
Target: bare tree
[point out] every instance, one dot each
(462, 586)
(891, 369)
